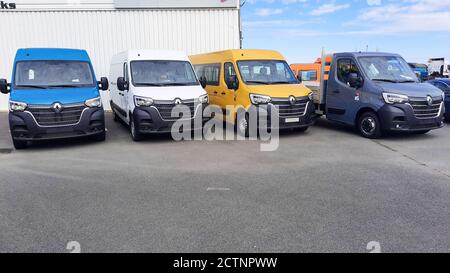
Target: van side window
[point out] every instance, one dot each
(229, 71)
(345, 68)
(310, 75)
(210, 71)
(125, 71)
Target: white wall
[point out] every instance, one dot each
(106, 32)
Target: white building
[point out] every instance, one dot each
(106, 27)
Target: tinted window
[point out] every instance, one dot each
(387, 68)
(310, 75)
(162, 73)
(229, 70)
(345, 68)
(210, 71)
(56, 74)
(266, 72)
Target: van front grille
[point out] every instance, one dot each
(165, 108)
(47, 116)
(286, 109)
(423, 110)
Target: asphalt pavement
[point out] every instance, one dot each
(326, 190)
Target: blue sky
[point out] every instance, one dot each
(416, 29)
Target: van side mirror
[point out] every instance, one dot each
(299, 78)
(355, 80)
(4, 86)
(203, 81)
(103, 84)
(122, 84)
(232, 82)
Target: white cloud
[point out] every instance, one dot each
(268, 12)
(405, 17)
(329, 8)
(374, 2)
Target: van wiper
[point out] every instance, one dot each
(385, 80)
(175, 84)
(32, 86)
(259, 82)
(149, 84)
(280, 82)
(64, 86)
(407, 81)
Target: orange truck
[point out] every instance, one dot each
(311, 74)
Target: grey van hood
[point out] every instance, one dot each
(410, 89)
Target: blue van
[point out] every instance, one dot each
(54, 94)
(444, 85)
(421, 70)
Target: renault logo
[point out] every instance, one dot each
(178, 102)
(57, 107)
(429, 100)
(292, 100)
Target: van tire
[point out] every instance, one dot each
(242, 126)
(115, 116)
(100, 137)
(20, 144)
(369, 125)
(135, 135)
(302, 129)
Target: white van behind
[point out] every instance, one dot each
(147, 84)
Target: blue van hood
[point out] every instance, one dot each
(49, 96)
(410, 89)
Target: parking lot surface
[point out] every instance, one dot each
(327, 190)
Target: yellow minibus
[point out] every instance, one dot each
(240, 79)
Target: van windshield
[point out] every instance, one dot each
(388, 69)
(163, 73)
(53, 74)
(266, 72)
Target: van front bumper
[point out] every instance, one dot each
(401, 118)
(300, 121)
(148, 120)
(447, 106)
(23, 126)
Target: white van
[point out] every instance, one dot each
(439, 67)
(147, 84)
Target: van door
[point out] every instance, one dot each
(342, 100)
(228, 95)
(125, 94)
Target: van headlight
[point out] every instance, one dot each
(142, 101)
(392, 98)
(94, 103)
(203, 99)
(260, 99)
(15, 106)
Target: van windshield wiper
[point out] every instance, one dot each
(280, 82)
(407, 81)
(32, 86)
(64, 86)
(149, 84)
(385, 80)
(177, 84)
(259, 82)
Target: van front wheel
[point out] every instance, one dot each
(135, 135)
(19, 144)
(369, 125)
(242, 125)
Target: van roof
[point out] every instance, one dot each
(366, 54)
(152, 54)
(239, 54)
(49, 54)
